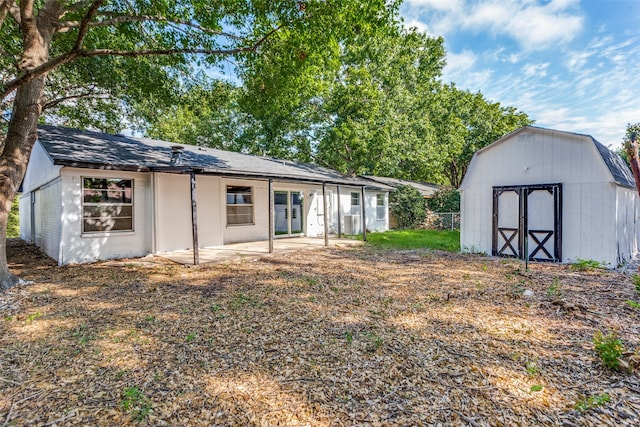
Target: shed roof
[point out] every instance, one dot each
(424, 188)
(97, 150)
(617, 167)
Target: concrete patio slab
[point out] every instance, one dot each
(255, 249)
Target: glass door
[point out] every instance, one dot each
(288, 208)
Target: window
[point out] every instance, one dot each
(355, 204)
(239, 205)
(380, 211)
(107, 204)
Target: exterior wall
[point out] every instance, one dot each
(24, 211)
(172, 195)
(210, 211)
(627, 226)
(40, 169)
(373, 223)
(78, 247)
(541, 156)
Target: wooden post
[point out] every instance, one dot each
(324, 213)
(194, 219)
(364, 217)
(271, 216)
(339, 213)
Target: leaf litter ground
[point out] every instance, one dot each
(317, 338)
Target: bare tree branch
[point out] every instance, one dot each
(56, 102)
(77, 53)
(84, 24)
(119, 19)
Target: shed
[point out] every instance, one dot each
(89, 196)
(550, 195)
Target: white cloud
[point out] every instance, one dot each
(534, 24)
(419, 25)
(535, 70)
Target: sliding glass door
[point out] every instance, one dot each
(288, 207)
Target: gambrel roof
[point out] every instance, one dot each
(619, 170)
(96, 150)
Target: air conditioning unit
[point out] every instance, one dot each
(352, 224)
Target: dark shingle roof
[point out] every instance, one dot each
(72, 147)
(619, 169)
(424, 188)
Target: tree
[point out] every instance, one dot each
(446, 199)
(408, 206)
(631, 149)
(97, 61)
(465, 122)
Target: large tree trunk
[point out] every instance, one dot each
(21, 136)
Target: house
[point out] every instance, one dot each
(427, 190)
(550, 195)
(90, 196)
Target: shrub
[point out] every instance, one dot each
(407, 206)
(609, 347)
(447, 199)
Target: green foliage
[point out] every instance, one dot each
(446, 199)
(135, 402)
(635, 279)
(13, 224)
(536, 388)
(609, 347)
(554, 289)
(632, 304)
(593, 402)
(416, 239)
(587, 265)
(407, 205)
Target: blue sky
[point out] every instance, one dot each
(571, 65)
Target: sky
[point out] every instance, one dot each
(571, 65)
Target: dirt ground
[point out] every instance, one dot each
(318, 338)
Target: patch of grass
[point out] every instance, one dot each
(554, 288)
(135, 402)
(609, 347)
(636, 282)
(587, 265)
(632, 304)
(241, 300)
(191, 337)
(33, 316)
(532, 368)
(593, 402)
(416, 239)
(536, 388)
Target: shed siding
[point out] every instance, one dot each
(627, 226)
(591, 216)
(78, 247)
(48, 212)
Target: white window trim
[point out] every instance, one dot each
(107, 233)
(252, 205)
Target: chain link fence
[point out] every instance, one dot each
(442, 221)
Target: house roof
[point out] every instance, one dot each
(97, 150)
(619, 170)
(424, 188)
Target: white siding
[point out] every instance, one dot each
(48, 212)
(40, 170)
(210, 211)
(373, 223)
(627, 226)
(25, 217)
(173, 231)
(78, 247)
(590, 224)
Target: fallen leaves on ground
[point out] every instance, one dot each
(317, 338)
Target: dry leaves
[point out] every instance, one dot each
(328, 337)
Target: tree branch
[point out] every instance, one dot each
(119, 19)
(84, 24)
(80, 53)
(56, 102)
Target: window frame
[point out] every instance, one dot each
(235, 204)
(356, 208)
(380, 198)
(103, 204)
